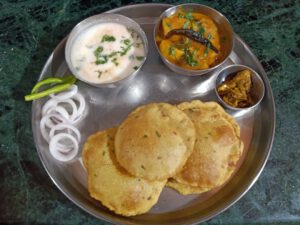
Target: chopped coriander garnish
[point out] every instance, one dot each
(168, 25)
(108, 38)
(98, 51)
(171, 51)
(143, 167)
(99, 73)
(125, 50)
(114, 60)
(135, 67)
(186, 24)
(112, 54)
(139, 58)
(209, 37)
(189, 57)
(201, 29)
(206, 49)
(189, 16)
(102, 59)
(126, 42)
(131, 57)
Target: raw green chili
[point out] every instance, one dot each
(50, 80)
(65, 83)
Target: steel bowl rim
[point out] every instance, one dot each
(253, 72)
(100, 16)
(189, 71)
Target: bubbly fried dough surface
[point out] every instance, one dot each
(216, 152)
(154, 141)
(109, 183)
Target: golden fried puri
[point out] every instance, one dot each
(186, 189)
(216, 152)
(111, 184)
(154, 141)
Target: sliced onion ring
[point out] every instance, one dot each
(46, 122)
(58, 154)
(58, 114)
(50, 103)
(62, 126)
(71, 102)
(54, 119)
(82, 105)
(60, 110)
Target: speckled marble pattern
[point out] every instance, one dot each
(29, 30)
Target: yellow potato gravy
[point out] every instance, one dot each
(186, 52)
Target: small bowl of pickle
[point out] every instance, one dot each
(239, 87)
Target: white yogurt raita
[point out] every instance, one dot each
(107, 52)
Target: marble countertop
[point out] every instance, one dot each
(30, 30)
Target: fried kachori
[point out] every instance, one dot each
(111, 184)
(195, 145)
(185, 189)
(217, 149)
(155, 141)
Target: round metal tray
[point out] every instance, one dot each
(107, 107)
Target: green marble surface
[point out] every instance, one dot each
(29, 30)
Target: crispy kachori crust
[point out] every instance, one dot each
(217, 149)
(154, 141)
(185, 189)
(111, 184)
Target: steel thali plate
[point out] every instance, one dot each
(107, 107)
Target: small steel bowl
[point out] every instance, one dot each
(257, 90)
(97, 19)
(224, 27)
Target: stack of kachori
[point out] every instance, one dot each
(192, 147)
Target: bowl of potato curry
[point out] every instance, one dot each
(193, 39)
